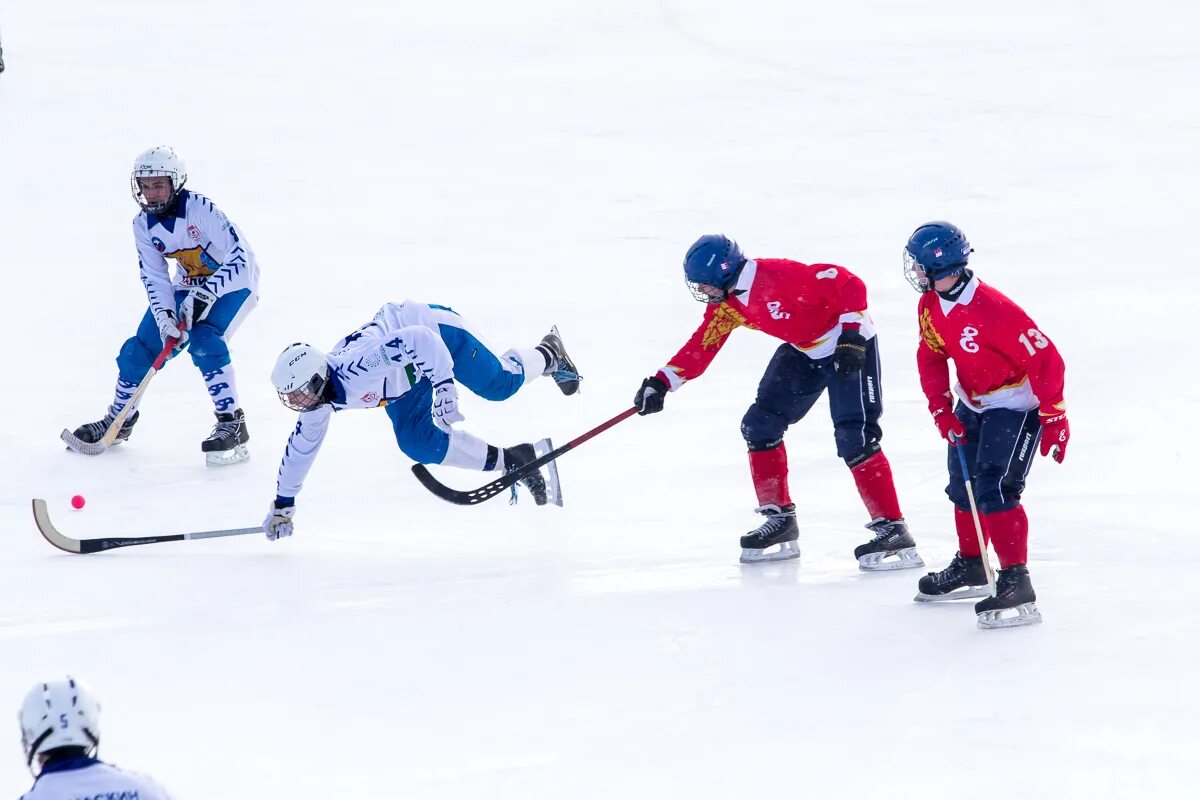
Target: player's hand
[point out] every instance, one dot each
(168, 327)
(279, 522)
(1055, 435)
(851, 351)
(445, 405)
(949, 426)
(651, 396)
(195, 306)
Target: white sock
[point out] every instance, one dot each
(222, 388)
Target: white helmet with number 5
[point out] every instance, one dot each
(300, 376)
(157, 162)
(59, 714)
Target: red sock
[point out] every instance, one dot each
(769, 471)
(876, 488)
(968, 539)
(1009, 532)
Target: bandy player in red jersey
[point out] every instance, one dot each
(820, 312)
(1010, 395)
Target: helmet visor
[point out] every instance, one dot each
(914, 273)
(706, 292)
(306, 398)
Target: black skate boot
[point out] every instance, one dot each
(779, 529)
(1013, 591)
(963, 578)
(518, 456)
(560, 367)
(227, 442)
(891, 539)
(93, 432)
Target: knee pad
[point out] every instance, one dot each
(858, 456)
(134, 360)
(763, 429)
(208, 350)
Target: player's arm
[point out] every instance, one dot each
(298, 457)
(848, 296)
(690, 362)
(153, 268)
(933, 368)
(1024, 343)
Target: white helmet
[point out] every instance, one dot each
(59, 714)
(158, 162)
(300, 376)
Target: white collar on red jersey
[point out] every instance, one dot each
(964, 297)
(745, 281)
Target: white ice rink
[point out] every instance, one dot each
(531, 163)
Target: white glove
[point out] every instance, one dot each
(279, 522)
(168, 327)
(195, 306)
(445, 405)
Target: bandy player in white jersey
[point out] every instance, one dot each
(215, 285)
(410, 359)
(60, 733)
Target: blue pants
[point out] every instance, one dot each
(476, 367)
(206, 341)
(794, 382)
(999, 449)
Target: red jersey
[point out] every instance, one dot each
(802, 304)
(1002, 359)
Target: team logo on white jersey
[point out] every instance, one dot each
(967, 342)
(194, 232)
(370, 397)
(774, 307)
(158, 244)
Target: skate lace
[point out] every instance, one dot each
(563, 375)
(222, 428)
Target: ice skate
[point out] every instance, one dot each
(1014, 592)
(892, 548)
(93, 432)
(780, 530)
(544, 488)
(227, 442)
(962, 579)
(561, 367)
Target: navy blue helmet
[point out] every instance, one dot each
(714, 260)
(935, 250)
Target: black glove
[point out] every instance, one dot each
(649, 398)
(851, 351)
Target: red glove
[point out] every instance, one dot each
(1055, 435)
(949, 425)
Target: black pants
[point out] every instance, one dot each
(793, 383)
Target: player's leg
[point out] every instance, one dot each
(1008, 441)
(208, 345)
(134, 359)
(424, 442)
(855, 405)
(964, 576)
(790, 386)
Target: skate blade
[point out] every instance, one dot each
(906, 558)
(553, 487)
(77, 445)
(969, 593)
(224, 458)
(1027, 614)
(786, 551)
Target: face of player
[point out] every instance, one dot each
(156, 190)
(711, 294)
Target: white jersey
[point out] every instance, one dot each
(208, 251)
(376, 364)
(94, 780)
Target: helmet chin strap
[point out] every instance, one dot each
(964, 277)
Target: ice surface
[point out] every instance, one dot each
(531, 163)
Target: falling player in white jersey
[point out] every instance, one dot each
(60, 732)
(215, 285)
(410, 358)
